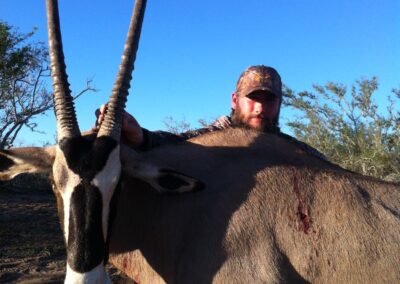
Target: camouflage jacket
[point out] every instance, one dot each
(154, 139)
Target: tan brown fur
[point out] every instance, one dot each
(270, 213)
(28, 160)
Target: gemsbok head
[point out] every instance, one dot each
(85, 170)
(87, 173)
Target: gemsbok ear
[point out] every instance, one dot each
(161, 179)
(26, 160)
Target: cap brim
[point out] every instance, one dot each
(264, 89)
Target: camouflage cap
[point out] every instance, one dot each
(259, 77)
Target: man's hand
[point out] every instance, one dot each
(132, 133)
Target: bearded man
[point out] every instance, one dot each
(256, 104)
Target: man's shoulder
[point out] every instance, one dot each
(223, 122)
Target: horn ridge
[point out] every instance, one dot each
(67, 125)
(111, 125)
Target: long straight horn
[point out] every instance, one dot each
(111, 125)
(67, 125)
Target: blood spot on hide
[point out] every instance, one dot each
(303, 218)
(364, 193)
(124, 264)
(301, 208)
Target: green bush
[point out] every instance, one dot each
(348, 127)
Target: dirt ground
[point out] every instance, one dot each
(31, 245)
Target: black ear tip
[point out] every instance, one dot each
(199, 186)
(5, 163)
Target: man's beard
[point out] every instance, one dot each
(239, 121)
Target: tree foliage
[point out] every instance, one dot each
(174, 126)
(23, 65)
(24, 73)
(348, 126)
(179, 126)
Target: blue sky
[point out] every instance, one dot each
(192, 52)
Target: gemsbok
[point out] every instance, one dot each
(268, 211)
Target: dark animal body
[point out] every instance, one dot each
(269, 213)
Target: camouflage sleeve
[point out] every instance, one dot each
(193, 133)
(153, 139)
(223, 122)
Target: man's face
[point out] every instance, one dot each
(257, 110)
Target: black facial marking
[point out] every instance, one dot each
(87, 158)
(86, 245)
(171, 180)
(199, 186)
(5, 163)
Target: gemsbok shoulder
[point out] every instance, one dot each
(268, 212)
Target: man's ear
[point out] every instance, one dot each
(234, 101)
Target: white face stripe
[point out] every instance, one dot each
(66, 196)
(96, 275)
(72, 181)
(106, 181)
